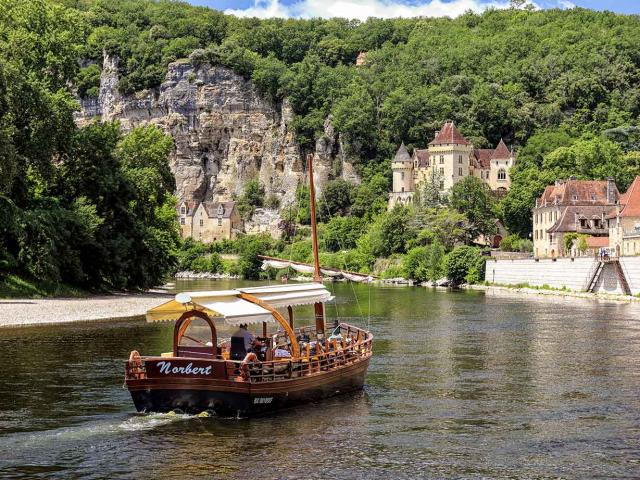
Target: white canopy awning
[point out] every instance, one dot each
(236, 310)
(291, 294)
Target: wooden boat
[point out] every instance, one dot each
(292, 365)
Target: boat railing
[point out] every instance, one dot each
(328, 355)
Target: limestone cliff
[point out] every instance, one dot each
(225, 132)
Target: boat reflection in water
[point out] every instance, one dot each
(287, 367)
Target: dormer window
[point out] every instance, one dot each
(183, 210)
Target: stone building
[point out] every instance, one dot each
(624, 222)
(449, 158)
(572, 206)
(209, 221)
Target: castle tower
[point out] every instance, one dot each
(450, 156)
(403, 187)
(501, 162)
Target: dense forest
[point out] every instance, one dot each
(562, 86)
(542, 80)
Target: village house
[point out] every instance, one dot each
(449, 158)
(209, 221)
(624, 222)
(572, 206)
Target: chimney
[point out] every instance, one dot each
(611, 191)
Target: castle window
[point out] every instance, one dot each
(441, 159)
(502, 174)
(201, 223)
(183, 210)
(219, 221)
(182, 221)
(459, 158)
(441, 184)
(401, 175)
(428, 162)
(460, 171)
(441, 171)
(402, 190)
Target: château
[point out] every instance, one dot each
(449, 158)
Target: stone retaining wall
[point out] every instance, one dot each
(563, 273)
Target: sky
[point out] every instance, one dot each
(361, 9)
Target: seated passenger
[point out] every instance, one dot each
(281, 351)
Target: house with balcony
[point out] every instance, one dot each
(624, 222)
(573, 206)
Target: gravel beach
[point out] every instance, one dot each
(20, 312)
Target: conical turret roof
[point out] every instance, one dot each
(402, 155)
(501, 151)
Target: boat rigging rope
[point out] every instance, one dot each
(345, 267)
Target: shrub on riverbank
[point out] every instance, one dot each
(464, 264)
(513, 243)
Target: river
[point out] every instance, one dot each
(461, 385)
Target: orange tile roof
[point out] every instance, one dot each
(630, 201)
(449, 135)
(577, 192)
(483, 157)
(501, 151)
(597, 242)
(422, 156)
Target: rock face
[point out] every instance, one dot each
(225, 132)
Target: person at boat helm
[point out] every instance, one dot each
(242, 342)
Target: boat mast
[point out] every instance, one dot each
(318, 307)
(314, 226)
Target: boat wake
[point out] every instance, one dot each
(86, 431)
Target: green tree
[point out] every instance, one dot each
(249, 265)
(464, 264)
(435, 269)
(416, 264)
(342, 233)
(336, 199)
(472, 197)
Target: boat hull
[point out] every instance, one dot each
(232, 398)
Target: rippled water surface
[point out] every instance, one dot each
(461, 385)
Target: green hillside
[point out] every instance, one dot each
(562, 86)
(555, 75)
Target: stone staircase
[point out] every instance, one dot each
(596, 272)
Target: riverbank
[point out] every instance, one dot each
(505, 290)
(22, 312)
